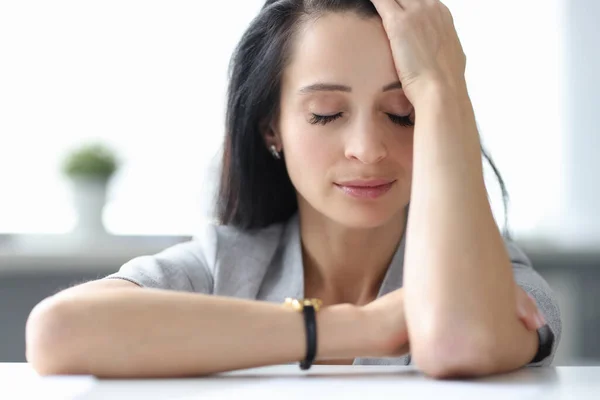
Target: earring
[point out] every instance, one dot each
(274, 152)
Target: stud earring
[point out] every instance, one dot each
(274, 152)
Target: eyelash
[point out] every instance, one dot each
(325, 119)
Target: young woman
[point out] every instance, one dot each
(323, 154)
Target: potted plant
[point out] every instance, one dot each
(90, 168)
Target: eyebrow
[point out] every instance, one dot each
(332, 87)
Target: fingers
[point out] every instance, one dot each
(528, 311)
(417, 4)
(411, 4)
(392, 11)
(436, 6)
(387, 9)
(540, 320)
(402, 351)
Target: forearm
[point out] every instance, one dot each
(153, 333)
(458, 275)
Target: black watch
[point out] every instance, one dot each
(546, 341)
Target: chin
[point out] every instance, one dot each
(358, 217)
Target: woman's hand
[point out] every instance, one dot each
(387, 325)
(389, 331)
(424, 43)
(527, 310)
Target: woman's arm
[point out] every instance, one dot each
(460, 292)
(115, 329)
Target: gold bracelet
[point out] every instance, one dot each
(298, 304)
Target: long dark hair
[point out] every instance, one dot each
(255, 189)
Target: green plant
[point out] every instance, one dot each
(93, 160)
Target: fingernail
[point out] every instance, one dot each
(540, 320)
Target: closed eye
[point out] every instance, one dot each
(325, 119)
(400, 120)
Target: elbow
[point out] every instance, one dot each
(49, 347)
(454, 353)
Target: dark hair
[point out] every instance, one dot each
(255, 189)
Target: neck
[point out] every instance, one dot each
(346, 265)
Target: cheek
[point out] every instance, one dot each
(407, 155)
(403, 150)
(307, 155)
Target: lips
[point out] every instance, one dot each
(366, 189)
(366, 183)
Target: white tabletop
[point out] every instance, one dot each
(19, 381)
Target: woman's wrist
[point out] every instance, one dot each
(433, 92)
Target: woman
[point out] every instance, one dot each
(322, 156)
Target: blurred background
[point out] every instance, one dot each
(112, 118)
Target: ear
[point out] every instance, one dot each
(271, 135)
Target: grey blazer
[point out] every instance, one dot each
(266, 265)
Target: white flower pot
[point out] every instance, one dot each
(89, 199)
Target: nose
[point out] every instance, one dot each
(366, 142)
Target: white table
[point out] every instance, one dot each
(19, 381)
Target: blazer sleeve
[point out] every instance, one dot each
(187, 266)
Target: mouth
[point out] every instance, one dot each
(366, 189)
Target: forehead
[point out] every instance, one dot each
(341, 48)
